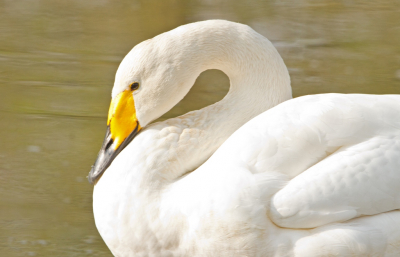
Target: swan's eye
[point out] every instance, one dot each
(134, 85)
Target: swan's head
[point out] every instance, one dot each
(151, 79)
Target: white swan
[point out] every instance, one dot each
(294, 181)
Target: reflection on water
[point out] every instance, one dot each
(57, 62)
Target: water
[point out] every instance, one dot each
(57, 63)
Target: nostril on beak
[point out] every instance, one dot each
(109, 144)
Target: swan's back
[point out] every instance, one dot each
(340, 154)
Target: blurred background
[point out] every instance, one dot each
(57, 65)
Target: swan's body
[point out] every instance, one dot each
(318, 163)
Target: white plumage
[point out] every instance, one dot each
(314, 176)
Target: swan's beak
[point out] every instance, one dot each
(122, 127)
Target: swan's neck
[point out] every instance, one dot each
(259, 80)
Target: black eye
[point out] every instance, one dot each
(134, 85)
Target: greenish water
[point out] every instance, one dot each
(57, 63)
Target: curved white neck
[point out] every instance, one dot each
(259, 80)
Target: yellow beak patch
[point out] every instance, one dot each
(122, 118)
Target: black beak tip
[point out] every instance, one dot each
(107, 154)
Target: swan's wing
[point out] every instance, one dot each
(342, 150)
(362, 179)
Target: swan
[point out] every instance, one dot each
(255, 174)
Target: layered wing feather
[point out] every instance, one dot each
(341, 154)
